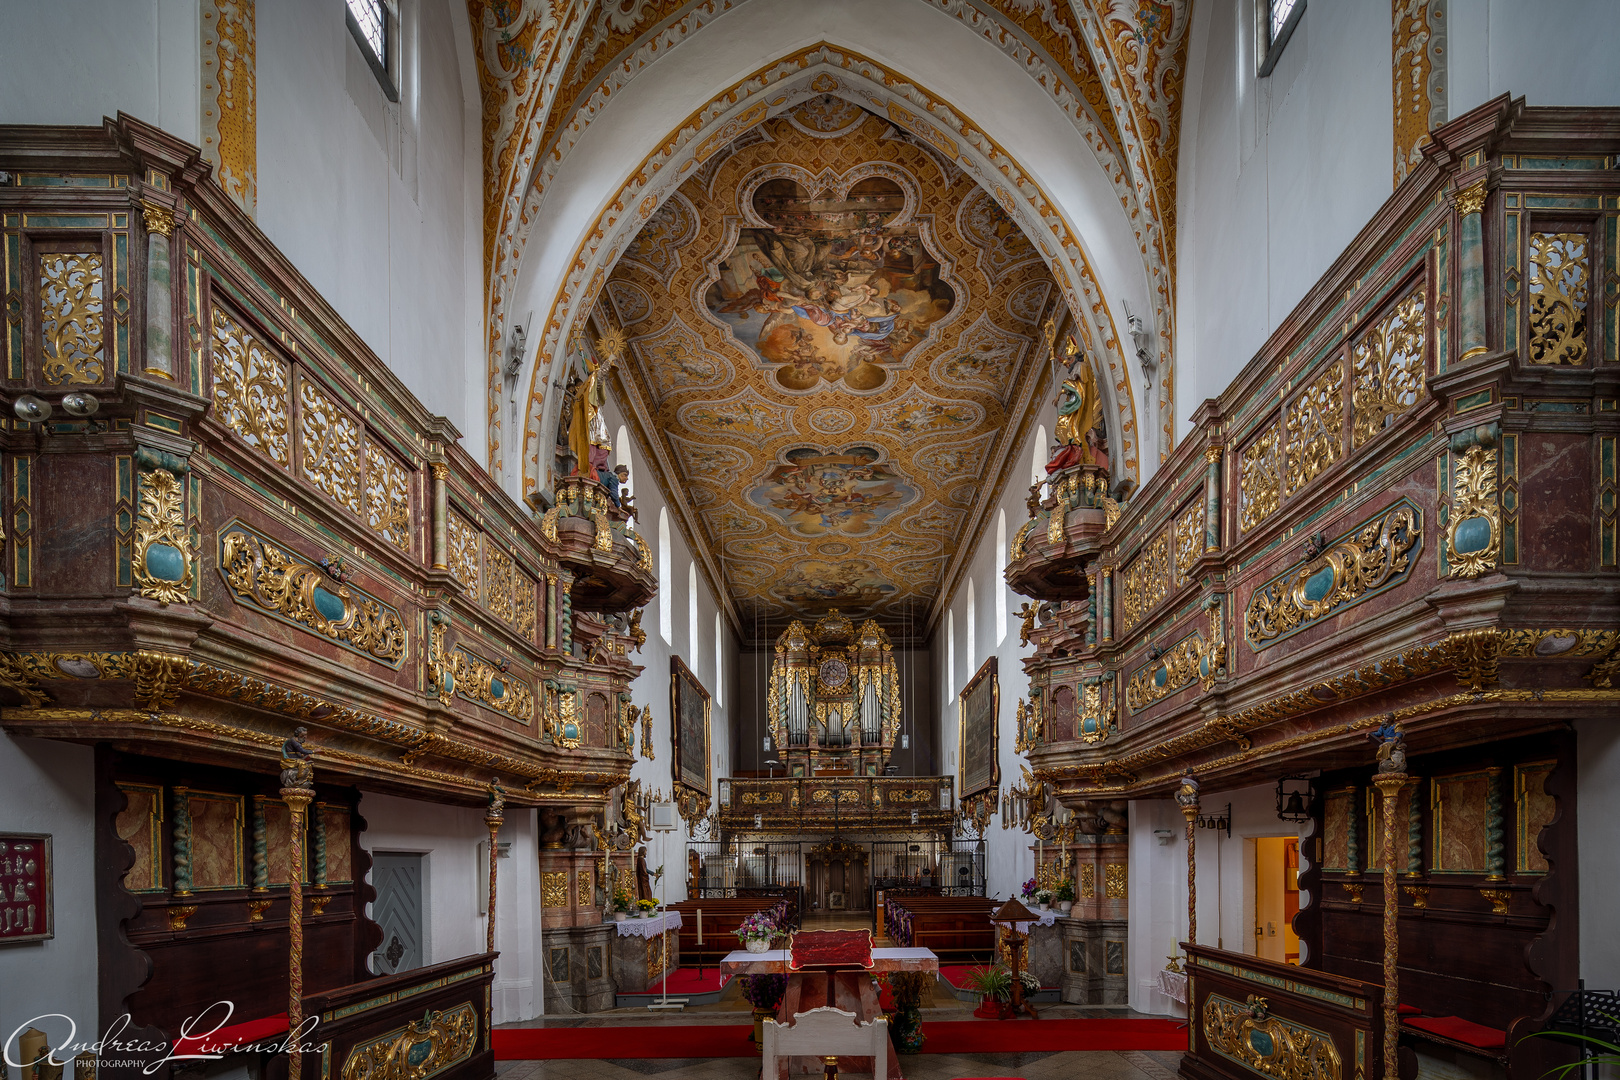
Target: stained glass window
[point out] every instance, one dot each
(1279, 19)
(371, 20)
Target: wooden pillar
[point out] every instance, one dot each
(1187, 797)
(493, 818)
(1389, 785)
(297, 790)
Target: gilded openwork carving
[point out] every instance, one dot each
(1314, 422)
(1146, 581)
(1559, 282)
(250, 389)
(263, 575)
(1260, 481)
(1388, 375)
(464, 553)
(330, 442)
(417, 1050)
(388, 497)
(1474, 529)
(479, 680)
(1248, 1034)
(554, 889)
(1371, 558)
(1179, 667)
(71, 318)
(1189, 538)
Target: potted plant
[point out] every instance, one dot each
(994, 987)
(621, 904)
(645, 908)
(1065, 897)
(1043, 897)
(764, 993)
(757, 932)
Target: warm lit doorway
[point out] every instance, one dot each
(1276, 898)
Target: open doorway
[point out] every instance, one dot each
(1276, 898)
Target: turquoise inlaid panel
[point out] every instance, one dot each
(66, 221)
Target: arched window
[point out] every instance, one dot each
(621, 448)
(999, 581)
(719, 675)
(1037, 467)
(692, 613)
(950, 653)
(666, 617)
(972, 627)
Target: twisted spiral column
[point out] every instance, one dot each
(1389, 785)
(297, 800)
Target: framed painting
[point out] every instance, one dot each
(977, 708)
(689, 718)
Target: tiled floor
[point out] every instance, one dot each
(1097, 1065)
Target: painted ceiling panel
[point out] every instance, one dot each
(827, 329)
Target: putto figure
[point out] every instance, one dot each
(297, 760)
(1391, 742)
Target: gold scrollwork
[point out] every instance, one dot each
(418, 1050)
(1474, 528)
(1180, 666)
(71, 317)
(1387, 379)
(479, 680)
(330, 441)
(915, 796)
(1259, 481)
(1146, 581)
(554, 889)
(159, 678)
(1559, 283)
(762, 798)
(250, 389)
(1314, 423)
(269, 578)
(163, 563)
(1114, 881)
(1016, 550)
(463, 540)
(23, 671)
(644, 557)
(1248, 1034)
(1189, 538)
(599, 518)
(1370, 559)
(388, 498)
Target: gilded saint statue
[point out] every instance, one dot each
(1079, 406)
(587, 431)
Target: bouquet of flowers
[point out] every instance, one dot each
(621, 899)
(1043, 896)
(1030, 889)
(1065, 892)
(758, 927)
(647, 907)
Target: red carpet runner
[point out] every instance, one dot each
(736, 1040)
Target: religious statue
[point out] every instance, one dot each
(638, 636)
(497, 797)
(1391, 742)
(643, 882)
(552, 829)
(297, 761)
(1026, 613)
(587, 431)
(1079, 406)
(1187, 794)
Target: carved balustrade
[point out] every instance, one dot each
(1404, 506)
(824, 804)
(260, 526)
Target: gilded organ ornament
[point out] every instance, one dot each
(162, 562)
(1387, 378)
(1559, 283)
(463, 540)
(1474, 529)
(250, 389)
(265, 576)
(1368, 560)
(71, 318)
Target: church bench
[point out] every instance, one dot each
(953, 926)
(720, 921)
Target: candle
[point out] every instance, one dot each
(31, 1048)
(700, 926)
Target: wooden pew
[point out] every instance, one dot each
(720, 921)
(956, 927)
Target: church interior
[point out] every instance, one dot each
(751, 538)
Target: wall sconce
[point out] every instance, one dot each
(767, 744)
(1294, 803)
(1163, 836)
(32, 410)
(1218, 821)
(905, 741)
(725, 793)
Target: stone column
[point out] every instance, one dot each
(1106, 580)
(159, 223)
(1470, 203)
(1212, 498)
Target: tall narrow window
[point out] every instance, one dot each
(950, 653)
(719, 673)
(1279, 17)
(666, 616)
(692, 612)
(999, 582)
(972, 627)
(368, 21)
(1037, 463)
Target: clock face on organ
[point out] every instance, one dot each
(833, 673)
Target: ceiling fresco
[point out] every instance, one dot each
(827, 329)
(548, 68)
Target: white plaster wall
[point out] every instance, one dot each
(1277, 175)
(49, 787)
(453, 880)
(75, 63)
(1597, 823)
(368, 198)
(667, 848)
(1009, 852)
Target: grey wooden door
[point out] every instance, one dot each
(397, 877)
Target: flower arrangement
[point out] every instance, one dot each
(1029, 889)
(621, 899)
(764, 991)
(1043, 897)
(758, 927)
(647, 907)
(1065, 892)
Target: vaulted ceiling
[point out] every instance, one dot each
(832, 330)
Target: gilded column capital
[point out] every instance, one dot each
(441, 471)
(1471, 199)
(1212, 454)
(157, 219)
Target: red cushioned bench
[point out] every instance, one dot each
(226, 1039)
(1459, 1034)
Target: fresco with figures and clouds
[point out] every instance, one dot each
(830, 329)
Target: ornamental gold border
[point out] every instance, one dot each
(987, 670)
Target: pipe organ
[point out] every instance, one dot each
(834, 698)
